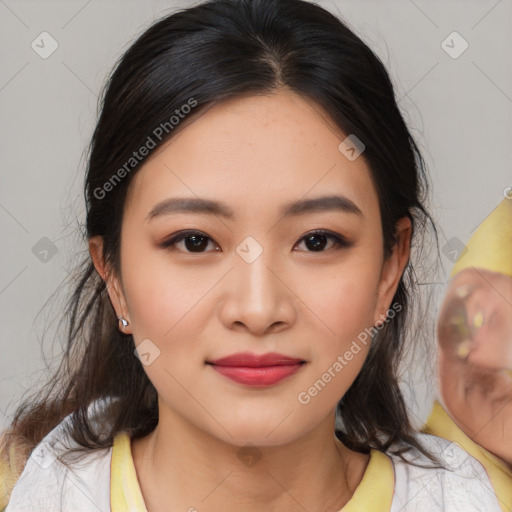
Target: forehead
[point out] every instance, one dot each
(253, 153)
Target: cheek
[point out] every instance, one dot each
(161, 297)
(344, 301)
(340, 311)
(167, 306)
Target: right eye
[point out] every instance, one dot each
(194, 241)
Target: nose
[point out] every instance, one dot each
(257, 297)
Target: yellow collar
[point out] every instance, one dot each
(376, 489)
(125, 493)
(440, 424)
(375, 492)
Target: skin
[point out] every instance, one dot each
(475, 360)
(255, 154)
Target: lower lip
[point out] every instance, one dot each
(261, 376)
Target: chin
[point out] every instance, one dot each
(261, 434)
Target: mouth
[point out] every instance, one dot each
(257, 370)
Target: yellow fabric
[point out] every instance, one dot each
(125, 493)
(440, 424)
(490, 247)
(12, 462)
(375, 492)
(6, 484)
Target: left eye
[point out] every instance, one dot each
(196, 241)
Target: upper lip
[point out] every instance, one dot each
(255, 360)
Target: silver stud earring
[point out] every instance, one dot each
(123, 321)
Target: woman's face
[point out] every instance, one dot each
(255, 279)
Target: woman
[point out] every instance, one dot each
(252, 192)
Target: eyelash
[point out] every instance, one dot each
(339, 241)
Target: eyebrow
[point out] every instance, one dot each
(176, 205)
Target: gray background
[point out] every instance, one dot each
(459, 110)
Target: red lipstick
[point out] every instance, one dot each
(257, 370)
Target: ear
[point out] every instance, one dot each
(112, 282)
(393, 268)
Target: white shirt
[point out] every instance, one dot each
(47, 485)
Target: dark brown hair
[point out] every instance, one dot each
(210, 52)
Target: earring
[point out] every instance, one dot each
(123, 321)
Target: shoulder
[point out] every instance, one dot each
(47, 483)
(462, 486)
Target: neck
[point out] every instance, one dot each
(184, 468)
